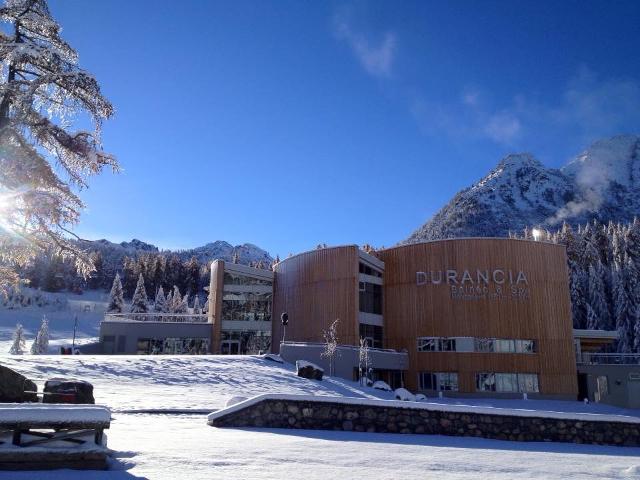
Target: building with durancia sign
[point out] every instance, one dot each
(463, 316)
(475, 316)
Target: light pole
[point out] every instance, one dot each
(284, 318)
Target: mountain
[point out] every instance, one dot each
(603, 182)
(114, 253)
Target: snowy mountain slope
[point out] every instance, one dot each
(603, 182)
(114, 253)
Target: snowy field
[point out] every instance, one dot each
(176, 446)
(61, 312)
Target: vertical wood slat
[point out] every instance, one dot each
(216, 286)
(411, 311)
(315, 288)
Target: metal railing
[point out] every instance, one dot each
(156, 317)
(587, 358)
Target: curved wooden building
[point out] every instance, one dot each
(494, 312)
(476, 315)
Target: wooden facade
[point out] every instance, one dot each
(315, 288)
(418, 305)
(215, 303)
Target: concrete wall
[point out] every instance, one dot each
(623, 383)
(346, 360)
(134, 330)
(369, 417)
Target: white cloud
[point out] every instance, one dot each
(376, 57)
(588, 108)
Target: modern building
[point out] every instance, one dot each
(471, 316)
(475, 316)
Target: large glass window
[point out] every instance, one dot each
(370, 298)
(436, 344)
(239, 279)
(173, 346)
(246, 306)
(367, 270)
(439, 381)
(245, 343)
(507, 382)
(372, 333)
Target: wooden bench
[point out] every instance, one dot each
(44, 436)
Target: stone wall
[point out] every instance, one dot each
(323, 415)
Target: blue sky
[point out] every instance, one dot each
(288, 124)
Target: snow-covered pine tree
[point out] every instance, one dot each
(18, 345)
(116, 298)
(139, 302)
(40, 345)
(42, 90)
(597, 307)
(621, 309)
(160, 305)
(632, 241)
(183, 307)
(633, 294)
(197, 308)
(168, 304)
(176, 302)
(205, 305)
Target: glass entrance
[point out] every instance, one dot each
(230, 347)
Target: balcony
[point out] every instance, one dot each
(155, 318)
(588, 358)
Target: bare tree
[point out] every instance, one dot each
(364, 360)
(331, 344)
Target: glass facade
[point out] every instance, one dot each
(245, 342)
(372, 333)
(173, 346)
(367, 270)
(247, 306)
(481, 345)
(507, 382)
(439, 381)
(232, 278)
(370, 298)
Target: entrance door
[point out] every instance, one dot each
(230, 347)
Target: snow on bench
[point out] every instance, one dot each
(74, 424)
(58, 414)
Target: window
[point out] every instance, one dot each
(447, 344)
(484, 345)
(439, 381)
(370, 298)
(528, 382)
(505, 346)
(448, 381)
(122, 342)
(367, 270)
(507, 382)
(239, 279)
(427, 344)
(246, 306)
(173, 346)
(428, 381)
(525, 346)
(372, 333)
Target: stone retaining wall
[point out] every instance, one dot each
(322, 415)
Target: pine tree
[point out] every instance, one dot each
(40, 345)
(633, 294)
(176, 302)
(139, 303)
(168, 304)
(18, 346)
(578, 297)
(160, 303)
(42, 92)
(116, 298)
(598, 308)
(197, 309)
(621, 309)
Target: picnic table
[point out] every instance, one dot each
(40, 436)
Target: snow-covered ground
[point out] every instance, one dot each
(61, 313)
(180, 446)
